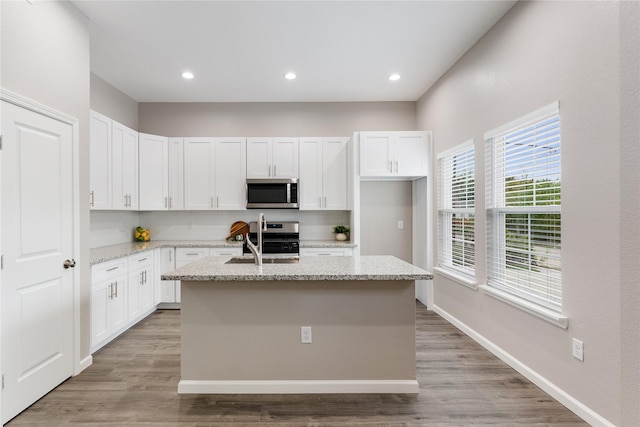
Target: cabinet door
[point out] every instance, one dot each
(285, 158)
(133, 292)
(100, 305)
(311, 174)
(375, 154)
(411, 154)
(259, 157)
(153, 168)
(230, 173)
(176, 174)
(118, 305)
(198, 173)
(100, 161)
(334, 176)
(146, 290)
(124, 167)
(166, 288)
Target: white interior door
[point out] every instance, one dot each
(37, 237)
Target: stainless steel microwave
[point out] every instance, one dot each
(272, 193)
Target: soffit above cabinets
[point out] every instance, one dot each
(239, 51)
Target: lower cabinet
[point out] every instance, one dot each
(166, 289)
(108, 301)
(140, 285)
(326, 251)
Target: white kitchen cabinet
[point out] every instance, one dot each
(394, 154)
(272, 157)
(176, 174)
(108, 301)
(215, 173)
(235, 251)
(124, 167)
(140, 285)
(326, 251)
(100, 161)
(165, 289)
(153, 169)
(323, 173)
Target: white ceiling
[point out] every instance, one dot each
(239, 50)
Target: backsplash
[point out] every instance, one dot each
(113, 227)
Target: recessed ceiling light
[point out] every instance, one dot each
(187, 75)
(290, 76)
(394, 77)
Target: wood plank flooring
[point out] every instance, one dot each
(133, 382)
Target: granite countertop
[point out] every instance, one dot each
(108, 253)
(384, 267)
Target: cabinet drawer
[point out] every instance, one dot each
(326, 251)
(225, 251)
(191, 254)
(108, 270)
(142, 259)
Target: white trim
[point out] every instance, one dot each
(574, 405)
(44, 110)
(547, 110)
(543, 313)
(459, 277)
(297, 386)
(84, 364)
(453, 150)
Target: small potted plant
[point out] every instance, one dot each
(341, 232)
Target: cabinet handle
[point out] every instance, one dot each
(115, 286)
(274, 170)
(110, 291)
(390, 166)
(211, 201)
(217, 201)
(192, 254)
(269, 170)
(396, 166)
(143, 259)
(170, 202)
(145, 277)
(325, 201)
(91, 202)
(320, 200)
(112, 268)
(165, 201)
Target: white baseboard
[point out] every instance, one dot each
(85, 363)
(297, 387)
(554, 391)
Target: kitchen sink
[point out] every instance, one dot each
(246, 260)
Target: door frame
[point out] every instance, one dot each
(28, 104)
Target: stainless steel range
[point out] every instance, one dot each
(279, 239)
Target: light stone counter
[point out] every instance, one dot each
(367, 268)
(111, 252)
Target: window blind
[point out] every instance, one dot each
(456, 209)
(523, 180)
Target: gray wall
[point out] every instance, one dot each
(382, 204)
(45, 57)
(274, 119)
(538, 53)
(113, 103)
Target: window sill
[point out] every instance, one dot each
(460, 278)
(550, 316)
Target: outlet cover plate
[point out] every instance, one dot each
(577, 349)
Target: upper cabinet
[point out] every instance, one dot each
(113, 164)
(394, 154)
(323, 173)
(272, 158)
(153, 173)
(215, 173)
(176, 174)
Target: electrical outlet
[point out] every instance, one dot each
(400, 224)
(577, 349)
(305, 334)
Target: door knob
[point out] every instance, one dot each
(69, 263)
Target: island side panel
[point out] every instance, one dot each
(247, 331)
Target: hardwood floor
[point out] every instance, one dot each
(133, 382)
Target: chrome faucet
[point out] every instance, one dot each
(257, 251)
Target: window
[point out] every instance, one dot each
(523, 208)
(456, 209)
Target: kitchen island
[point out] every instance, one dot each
(241, 326)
